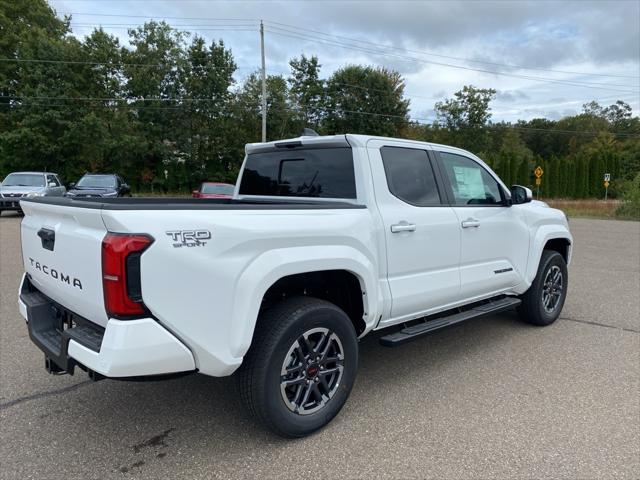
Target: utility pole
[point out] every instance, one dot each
(264, 86)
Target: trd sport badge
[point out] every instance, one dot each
(189, 238)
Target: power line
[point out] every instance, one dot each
(112, 99)
(418, 120)
(418, 60)
(111, 64)
(213, 28)
(391, 47)
(411, 96)
(305, 29)
(163, 17)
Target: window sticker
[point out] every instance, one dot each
(469, 182)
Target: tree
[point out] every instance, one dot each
(466, 116)
(209, 138)
(366, 100)
(307, 90)
(281, 119)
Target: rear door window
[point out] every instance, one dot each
(316, 172)
(410, 176)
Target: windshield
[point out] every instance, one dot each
(97, 181)
(217, 189)
(314, 172)
(24, 180)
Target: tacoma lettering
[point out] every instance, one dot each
(53, 273)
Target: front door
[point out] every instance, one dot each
(495, 237)
(422, 233)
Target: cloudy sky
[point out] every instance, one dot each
(545, 58)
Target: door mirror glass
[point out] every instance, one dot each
(72, 184)
(520, 194)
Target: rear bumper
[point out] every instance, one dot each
(125, 348)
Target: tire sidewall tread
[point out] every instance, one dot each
(531, 309)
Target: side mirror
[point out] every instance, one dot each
(52, 184)
(195, 192)
(520, 194)
(72, 184)
(125, 188)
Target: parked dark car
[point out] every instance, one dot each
(99, 185)
(214, 190)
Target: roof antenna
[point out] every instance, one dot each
(309, 132)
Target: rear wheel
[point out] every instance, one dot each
(301, 366)
(543, 302)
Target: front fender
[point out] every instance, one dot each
(273, 265)
(543, 234)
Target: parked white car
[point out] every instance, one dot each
(324, 240)
(33, 184)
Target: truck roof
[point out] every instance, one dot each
(346, 139)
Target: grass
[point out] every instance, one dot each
(586, 208)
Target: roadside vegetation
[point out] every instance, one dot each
(171, 110)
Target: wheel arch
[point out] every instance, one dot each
(550, 237)
(290, 271)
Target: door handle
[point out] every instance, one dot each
(470, 223)
(403, 227)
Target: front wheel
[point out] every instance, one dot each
(301, 366)
(543, 302)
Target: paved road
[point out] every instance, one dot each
(490, 399)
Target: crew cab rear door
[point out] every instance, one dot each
(422, 233)
(62, 254)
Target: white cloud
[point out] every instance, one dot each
(575, 36)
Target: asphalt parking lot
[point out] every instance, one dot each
(491, 399)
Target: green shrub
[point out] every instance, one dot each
(630, 206)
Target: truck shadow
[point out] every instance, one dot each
(148, 422)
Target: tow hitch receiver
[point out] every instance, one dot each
(53, 368)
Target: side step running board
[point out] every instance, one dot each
(429, 326)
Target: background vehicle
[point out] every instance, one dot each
(21, 184)
(327, 239)
(99, 185)
(214, 190)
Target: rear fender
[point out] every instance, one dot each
(273, 265)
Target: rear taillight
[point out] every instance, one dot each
(121, 274)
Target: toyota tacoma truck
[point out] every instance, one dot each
(326, 239)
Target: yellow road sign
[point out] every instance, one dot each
(606, 184)
(538, 172)
(538, 181)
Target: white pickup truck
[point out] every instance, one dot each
(325, 240)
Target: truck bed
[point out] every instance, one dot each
(170, 203)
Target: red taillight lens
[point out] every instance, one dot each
(120, 259)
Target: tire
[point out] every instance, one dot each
(262, 377)
(543, 302)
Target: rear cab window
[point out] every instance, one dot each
(300, 172)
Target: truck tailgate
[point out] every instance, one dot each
(62, 254)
